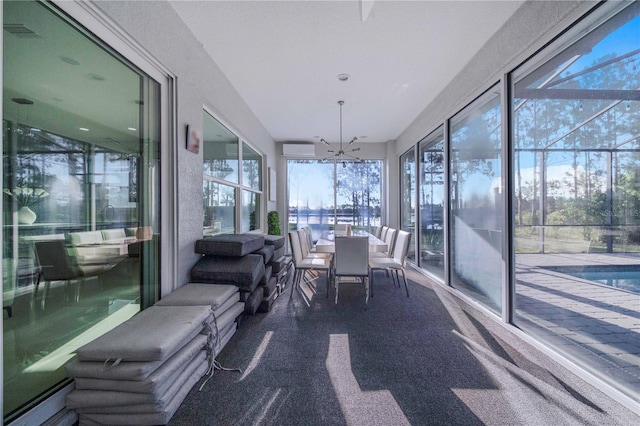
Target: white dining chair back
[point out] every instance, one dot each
(377, 231)
(390, 240)
(340, 227)
(307, 232)
(296, 249)
(303, 263)
(383, 232)
(304, 244)
(402, 247)
(396, 263)
(352, 260)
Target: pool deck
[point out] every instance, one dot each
(595, 325)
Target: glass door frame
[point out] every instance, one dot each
(101, 26)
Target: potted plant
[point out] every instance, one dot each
(273, 221)
(26, 197)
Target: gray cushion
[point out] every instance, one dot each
(266, 277)
(267, 302)
(228, 304)
(148, 414)
(253, 301)
(276, 241)
(129, 370)
(266, 252)
(225, 320)
(88, 400)
(151, 335)
(193, 294)
(271, 285)
(230, 244)
(278, 253)
(158, 382)
(244, 272)
(279, 264)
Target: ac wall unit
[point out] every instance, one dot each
(298, 150)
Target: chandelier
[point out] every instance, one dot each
(342, 154)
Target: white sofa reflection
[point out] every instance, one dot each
(91, 248)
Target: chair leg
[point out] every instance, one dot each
(336, 283)
(406, 287)
(294, 283)
(328, 281)
(45, 292)
(34, 297)
(77, 290)
(9, 310)
(365, 281)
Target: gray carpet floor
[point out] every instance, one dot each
(427, 359)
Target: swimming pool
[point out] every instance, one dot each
(624, 277)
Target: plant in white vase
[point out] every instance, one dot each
(26, 197)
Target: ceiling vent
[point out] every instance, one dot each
(19, 30)
(298, 150)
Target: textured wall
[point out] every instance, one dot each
(533, 25)
(156, 27)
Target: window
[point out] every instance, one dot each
(476, 207)
(222, 187)
(221, 156)
(79, 175)
(321, 194)
(432, 201)
(576, 202)
(408, 203)
(251, 168)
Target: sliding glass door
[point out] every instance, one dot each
(81, 173)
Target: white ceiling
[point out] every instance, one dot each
(283, 57)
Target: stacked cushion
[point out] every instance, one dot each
(244, 272)
(140, 371)
(233, 245)
(223, 299)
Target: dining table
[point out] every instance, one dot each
(326, 243)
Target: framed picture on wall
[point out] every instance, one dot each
(193, 139)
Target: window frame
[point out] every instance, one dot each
(87, 17)
(239, 185)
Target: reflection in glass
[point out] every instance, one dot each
(310, 186)
(408, 203)
(576, 202)
(219, 203)
(431, 199)
(476, 207)
(88, 171)
(250, 211)
(251, 168)
(220, 150)
(358, 191)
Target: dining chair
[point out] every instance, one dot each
(306, 244)
(303, 264)
(352, 260)
(306, 241)
(383, 232)
(390, 239)
(340, 227)
(56, 264)
(308, 238)
(395, 263)
(377, 231)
